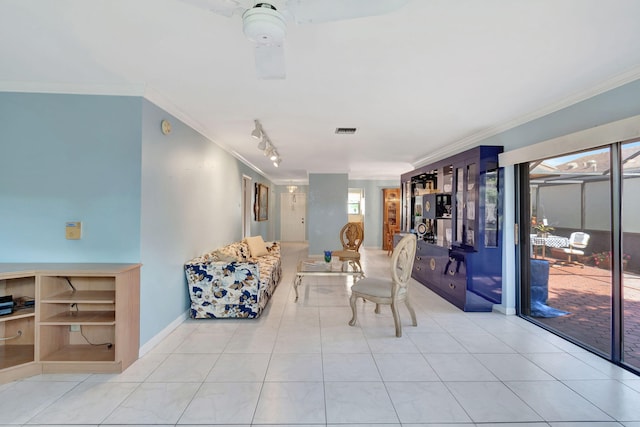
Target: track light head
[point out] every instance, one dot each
(262, 145)
(277, 161)
(257, 130)
(274, 155)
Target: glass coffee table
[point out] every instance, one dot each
(319, 267)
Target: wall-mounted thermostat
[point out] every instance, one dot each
(73, 230)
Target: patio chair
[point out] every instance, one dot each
(577, 242)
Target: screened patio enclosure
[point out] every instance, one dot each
(583, 243)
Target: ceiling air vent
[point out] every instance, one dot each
(345, 131)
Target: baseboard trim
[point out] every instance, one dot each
(509, 311)
(154, 341)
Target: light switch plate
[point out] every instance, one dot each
(73, 230)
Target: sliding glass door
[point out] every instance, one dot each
(582, 276)
(630, 258)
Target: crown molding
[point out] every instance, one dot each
(125, 89)
(473, 140)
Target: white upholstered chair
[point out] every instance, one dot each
(389, 290)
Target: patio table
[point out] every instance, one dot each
(548, 241)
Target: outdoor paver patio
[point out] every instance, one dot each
(585, 292)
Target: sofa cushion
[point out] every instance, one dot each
(257, 246)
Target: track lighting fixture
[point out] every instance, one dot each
(265, 144)
(257, 130)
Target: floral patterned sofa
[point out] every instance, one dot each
(236, 280)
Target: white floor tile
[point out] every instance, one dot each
(240, 368)
(512, 367)
(404, 367)
(154, 403)
(222, 403)
(88, 403)
(295, 367)
(565, 366)
(291, 403)
(555, 401)
(359, 402)
(184, 368)
(350, 367)
(437, 342)
(621, 403)
(24, 399)
(459, 367)
(491, 402)
(425, 402)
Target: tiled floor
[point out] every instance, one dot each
(301, 364)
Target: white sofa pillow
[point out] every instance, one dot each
(257, 246)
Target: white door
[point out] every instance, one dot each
(293, 211)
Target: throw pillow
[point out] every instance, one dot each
(225, 257)
(257, 246)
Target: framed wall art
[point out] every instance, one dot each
(261, 206)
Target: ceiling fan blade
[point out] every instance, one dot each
(270, 62)
(317, 11)
(220, 7)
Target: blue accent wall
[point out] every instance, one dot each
(326, 210)
(141, 196)
(69, 158)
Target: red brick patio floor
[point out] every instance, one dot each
(586, 294)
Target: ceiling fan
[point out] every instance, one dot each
(264, 23)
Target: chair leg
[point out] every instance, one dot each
(354, 313)
(411, 312)
(396, 319)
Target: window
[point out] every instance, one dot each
(355, 202)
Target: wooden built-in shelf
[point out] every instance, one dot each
(81, 318)
(13, 355)
(19, 314)
(102, 299)
(82, 353)
(82, 297)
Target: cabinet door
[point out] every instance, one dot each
(459, 205)
(470, 234)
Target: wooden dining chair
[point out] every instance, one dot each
(351, 237)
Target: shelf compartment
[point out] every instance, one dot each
(19, 314)
(14, 355)
(79, 353)
(81, 318)
(82, 297)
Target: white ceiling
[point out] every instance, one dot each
(419, 83)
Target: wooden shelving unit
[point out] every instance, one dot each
(391, 204)
(17, 330)
(86, 318)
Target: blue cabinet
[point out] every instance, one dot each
(454, 206)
